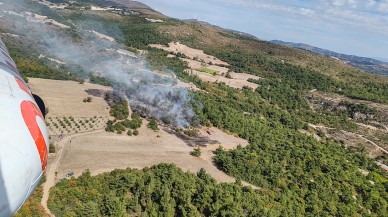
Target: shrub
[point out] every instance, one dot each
(88, 99)
(191, 132)
(153, 125)
(196, 152)
(51, 148)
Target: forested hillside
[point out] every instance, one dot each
(163, 190)
(299, 169)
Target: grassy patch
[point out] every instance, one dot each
(209, 71)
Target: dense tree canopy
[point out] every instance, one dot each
(162, 190)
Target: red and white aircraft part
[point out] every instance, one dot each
(23, 138)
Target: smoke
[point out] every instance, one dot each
(152, 92)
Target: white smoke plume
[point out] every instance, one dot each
(150, 91)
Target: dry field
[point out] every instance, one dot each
(189, 52)
(101, 151)
(65, 98)
(235, 82)
(67, 113)
(197, 60)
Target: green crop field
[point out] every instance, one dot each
(209, 71)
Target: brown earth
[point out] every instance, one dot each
(65, 98)
(197, 59)
(236, 82)
(103, 152)
(189, 52)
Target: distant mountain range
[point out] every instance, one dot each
(363, 63)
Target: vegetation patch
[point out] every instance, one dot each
(153, 125)
(196, 152)
(209, 71)
(51, 148)
(100, 80)
(121, 126)
(120, 110)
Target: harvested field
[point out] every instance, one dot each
(209, 68)
(232, 82)
(189, 52)
(103, 152)
(194, 64)
(65, 98)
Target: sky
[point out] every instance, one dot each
(358, 27)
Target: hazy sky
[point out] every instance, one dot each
(357, 27)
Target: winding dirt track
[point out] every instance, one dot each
(355, 135)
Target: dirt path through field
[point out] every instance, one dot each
(371, 142)
(52, 168)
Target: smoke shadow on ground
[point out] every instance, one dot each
(201, 141)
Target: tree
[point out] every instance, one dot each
(112, 206)
(90, 209)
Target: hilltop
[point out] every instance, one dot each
(364, 63)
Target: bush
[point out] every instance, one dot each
(135, 132)
(120, 111)
(196, 152)
(119, 128)
(129, 133)
(191, 132)
(153, 125)
(88, 99)
(51, 148)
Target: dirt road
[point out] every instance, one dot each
(53, 167)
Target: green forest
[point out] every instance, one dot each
(162, 190)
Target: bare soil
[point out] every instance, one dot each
(235, 83)
(65, 98)
(197, 59)
(104, 152)
(189, 52)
